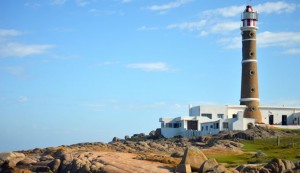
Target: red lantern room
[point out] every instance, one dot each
(249, 17)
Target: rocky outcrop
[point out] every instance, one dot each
(12, 158)
(208, 166)
(278, 165)
(194, 157)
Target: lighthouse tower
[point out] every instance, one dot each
(249, 86)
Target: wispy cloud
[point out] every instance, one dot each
(97, 12)
(107, 63)
(83, 3)
(22, 50)
(58, 2)
(146, 28)
(9, 33)
(287, 40)
(15, 49)
(268, 7)
(23, 99)
(168, 6)
(293, 51)
(152, 66)
(14, 70)
(126, 1)
(188, 25)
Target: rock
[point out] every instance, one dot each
(208, 165)
(177, 154)
(54, 165)
(276, 165)
(116, 139)
(264, 170)
(27, 162)
(127, 137)
(46, 158)
(259, 154)
(184, 168)
(12, 158)
(288, 164)
(194, 157)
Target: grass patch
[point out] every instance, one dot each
(233, 160)
(288, 149)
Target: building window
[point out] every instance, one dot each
(202, 128)
(169, 125)
(252, 90)
(221, 116)
(234, 115)
(216, 125)
(252, 72)
(206, 128)
(162, 125)
(177, 125)
(207, 115)
(211, 126)
(225, 125)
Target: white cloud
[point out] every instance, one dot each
(225, 26)
(126, 1)
(58, 2)
(145, 28)
(82, 3)
(293, 51)
(268, 39)
(276, 7)
(22, 50)
(268, 7)
(154, 66)
(224, 12)
(107, 63)
(15, 49)
(9, 33)
(286, 39)
(14, 70)
(188, 25)
(171, 5)
(23, 99)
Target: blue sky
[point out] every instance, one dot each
(87, 70)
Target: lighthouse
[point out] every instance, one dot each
(249, 82)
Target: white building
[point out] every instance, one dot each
(212, 119)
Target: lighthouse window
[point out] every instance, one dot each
(253, 108)
(252, 72)
(251, 53)
(251, 34)
(252, 90)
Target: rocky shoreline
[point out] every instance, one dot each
(143, 153)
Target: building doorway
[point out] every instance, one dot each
(271, 119)
(250, 126)
(192, 125)
(284, 120)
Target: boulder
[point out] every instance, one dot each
(54, 165)
(194, 157)
(184, 168)
(208, 166)
(276, 165)
(289, 165)
(116, 139)
(264, 170)
(12, 158)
